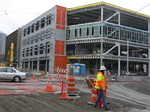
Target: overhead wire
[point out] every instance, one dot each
(143, 7)
(7, 12)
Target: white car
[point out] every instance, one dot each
(9, 73)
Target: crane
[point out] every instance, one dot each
(10, 56)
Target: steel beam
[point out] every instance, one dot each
(111, 17)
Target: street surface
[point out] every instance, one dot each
(132, 94)
(29, 86)
(31, 96)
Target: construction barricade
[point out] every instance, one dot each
(62, 84)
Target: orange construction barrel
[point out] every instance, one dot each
(71, 84)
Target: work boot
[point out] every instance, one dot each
(106, 109)
(95, 106)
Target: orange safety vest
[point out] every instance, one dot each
(100, 82)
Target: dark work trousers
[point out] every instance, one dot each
(101, 95)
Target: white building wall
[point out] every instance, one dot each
(43, 36)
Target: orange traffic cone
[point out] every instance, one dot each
(33, 77)
(50, 87)
(47, 87)
(42, 75)
(49, 84)
(64, 93)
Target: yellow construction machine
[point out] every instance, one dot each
(10, 56)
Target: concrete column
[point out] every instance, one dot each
(21, 64)
(28, 64)
(32, 65)
(118, 59)
(38, 63)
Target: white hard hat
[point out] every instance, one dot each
(102, 68)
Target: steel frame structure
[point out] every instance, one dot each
(105, 39)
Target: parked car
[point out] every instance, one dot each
(9, 73)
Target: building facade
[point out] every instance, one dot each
(105, 34)
(15, 38)
(95, 34)
(2, 46)
(43, 41)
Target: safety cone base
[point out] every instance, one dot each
(66, 98)
(34, 77)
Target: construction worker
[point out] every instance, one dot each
(101, 86)
(108, 75)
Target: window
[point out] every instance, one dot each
(9, 70)
(27, 52)
(92, 30)
(48, 47)
(31, 51)
(28, 40)
(32, 27)
(80, 32)
(42, 38)
(23, 53)
(75, 32)
(28, 31)
(24, 32)
(32, 40)
(37, 25)
(37, 37)
(36, 50)
(41, 48)
(87, 31)
(24, 42)
(48, 33)
(42, 22)
(2, 69)
(48, 36)
(100, 30)
(48, 22)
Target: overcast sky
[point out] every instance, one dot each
(16, 13)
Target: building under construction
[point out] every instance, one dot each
(105, 34)
(95, 34)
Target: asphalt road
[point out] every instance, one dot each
(133, 94)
